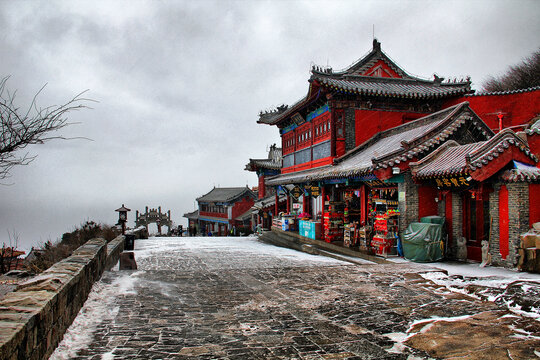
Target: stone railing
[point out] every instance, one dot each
(34, 317)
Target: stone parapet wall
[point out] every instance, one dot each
(114, 248)
(34, 317)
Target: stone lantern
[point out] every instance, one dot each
(122, 217)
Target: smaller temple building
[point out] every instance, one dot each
(264, 209)
(222, 211)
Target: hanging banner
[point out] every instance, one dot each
(296, 192)
(315, 191)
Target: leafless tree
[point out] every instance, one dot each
(20, 128)
(521, 76)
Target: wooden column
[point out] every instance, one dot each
(288, 204)
(276, 206)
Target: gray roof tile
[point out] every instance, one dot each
(225, 194)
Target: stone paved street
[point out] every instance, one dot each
(237, 298)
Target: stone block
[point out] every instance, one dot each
(127, 261)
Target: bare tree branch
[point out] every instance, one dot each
(36, 125)
(521, 76)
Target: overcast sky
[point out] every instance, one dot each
(179, 85)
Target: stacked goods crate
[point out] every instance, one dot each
(333, 226)
(364, 234)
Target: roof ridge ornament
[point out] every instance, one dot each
(376, 45)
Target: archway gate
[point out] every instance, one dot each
(154, 216)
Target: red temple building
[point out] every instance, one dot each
(371, 149)
(222, 210)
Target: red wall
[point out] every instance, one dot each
(426, 201)
(534, 203)
(307, 165)
(370, 122)
(519, 108)
(213, 214)
(262, 187)
(242, 206)
(386, 72)
(503, 222)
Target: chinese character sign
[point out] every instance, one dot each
(452, 182)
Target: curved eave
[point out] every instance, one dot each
(388, 94)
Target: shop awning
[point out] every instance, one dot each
(298, 177)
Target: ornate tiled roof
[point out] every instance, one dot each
(273, 161)
(408, 141)
(535, 127)
(368, 85)
(194, 215)
(224, 194)
(298, 177)
(454, 159)
(359, 79)
(448, 159)
(245, 216)
(268, 117)
(268, 201)
(508, 92)
(521, 175)
(391, 147)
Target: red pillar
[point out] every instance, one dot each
(534, 200)
(305, 203)
(503, 222)
(323, 196)
(363, 205)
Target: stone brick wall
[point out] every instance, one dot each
(457, 221)
(34, 317)
(350, 130)
(518, 211)
(409, 208)
(494, 226)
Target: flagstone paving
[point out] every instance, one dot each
(208, 298)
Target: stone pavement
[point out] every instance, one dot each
(237, 298)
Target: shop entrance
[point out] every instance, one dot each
(365, 216)
(476, 220)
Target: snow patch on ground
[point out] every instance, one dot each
(248, 245)
(98, 307)
(492, 288)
